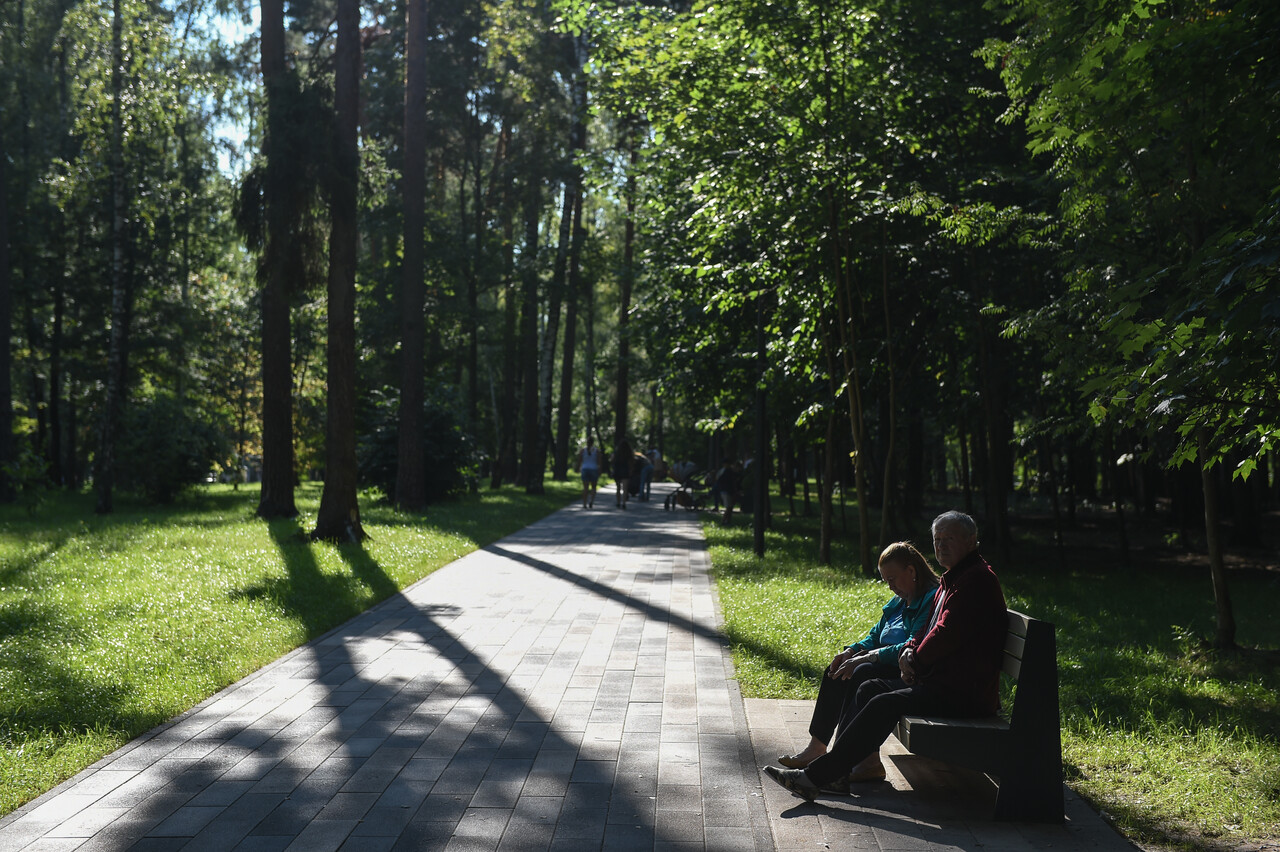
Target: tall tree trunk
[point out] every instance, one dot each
(1224, 615)
(528, 477)
(852, 377)
(7, 455)
(184, 261)
(826, 490)
(547, 356)
(589, 369)
(913, 481)
(75, 473)
(276, 499)
(564, 414)
(55, 381)
(888, 499)
(104, 477)
(1117, 501)
(411, 483)
(962, 433)
(760, 493)
(621, 418)
(578, 143)
(999, 462)
(506, 467)
(339, 515)
(473, 284)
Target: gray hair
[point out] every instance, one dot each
(957, 519)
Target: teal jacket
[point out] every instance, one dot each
(898, 623)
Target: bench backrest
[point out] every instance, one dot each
(1031, 658)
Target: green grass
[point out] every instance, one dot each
(1178, 745)
(111, 625)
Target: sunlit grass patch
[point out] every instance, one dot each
(111, 625)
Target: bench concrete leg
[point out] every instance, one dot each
(1031, 793)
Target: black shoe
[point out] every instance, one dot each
(794, 780)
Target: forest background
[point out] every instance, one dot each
(1021, 251)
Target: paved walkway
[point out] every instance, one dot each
(565, 688)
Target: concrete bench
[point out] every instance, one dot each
(1023, 751)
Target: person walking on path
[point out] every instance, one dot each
(954, 670)
(622, 460)
(644, 467)
(590, 461)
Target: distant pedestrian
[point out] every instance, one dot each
(643, 468)
(590, 462)
(622, 458)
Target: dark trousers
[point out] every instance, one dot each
(837, 705)
(878, 704)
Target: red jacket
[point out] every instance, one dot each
(961, 649)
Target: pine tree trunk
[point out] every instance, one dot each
(411, 486)
(589, 369)
(888, 498)
(505, 468)
(578, 143)
(339, 516)
(56, 381)
(276, 499)
(826, 489)
(560, 464)
(529, 334)
(104, 476)
(621, 420)
(999, 459)
(550, 335)
(473, 288)
(7, 455)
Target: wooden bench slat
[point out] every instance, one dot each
(1011, 665)
(1019, 624)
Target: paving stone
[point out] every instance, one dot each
(383, 822)
(526, 837)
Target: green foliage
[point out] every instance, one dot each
(57, 98)
(29, 476)
(1157, 120)
(449, 455)
(284, 202)
(167, 446)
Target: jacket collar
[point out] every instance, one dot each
(967, 562)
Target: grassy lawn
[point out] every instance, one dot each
(1179, 746)
(111, 625)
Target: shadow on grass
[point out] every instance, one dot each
(33, 555)
(47, 693)
(318, 600)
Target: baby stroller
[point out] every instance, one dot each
(685, 496)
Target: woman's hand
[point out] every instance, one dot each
(838, 661)
(846, 668)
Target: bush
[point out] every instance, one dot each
(166, 446)
(28, 476)
(448, 452)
